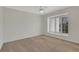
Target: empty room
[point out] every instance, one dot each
(39, 29)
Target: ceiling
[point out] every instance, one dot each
(35, 9)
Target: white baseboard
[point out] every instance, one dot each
(19, 38)
(56, 36)
(63, 38)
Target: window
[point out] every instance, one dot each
(58, 24)
(52, 25)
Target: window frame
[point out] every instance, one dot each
(56, 33)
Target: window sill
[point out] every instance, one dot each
(60, 34)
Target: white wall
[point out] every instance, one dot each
(73, 13)
(19, 25)
(1, 27)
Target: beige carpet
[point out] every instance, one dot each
(40, 44)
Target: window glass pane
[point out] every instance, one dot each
(57, 24)
(64, 25)
(52, 25)
(60, 24)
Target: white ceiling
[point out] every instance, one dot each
(35, 9)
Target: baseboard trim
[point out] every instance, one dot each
(63, 40)
(22, 38)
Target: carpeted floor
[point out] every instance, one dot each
(40, 44)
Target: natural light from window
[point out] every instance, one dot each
(58, 25)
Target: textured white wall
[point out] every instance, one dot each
(19, 25)
(73, 13)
